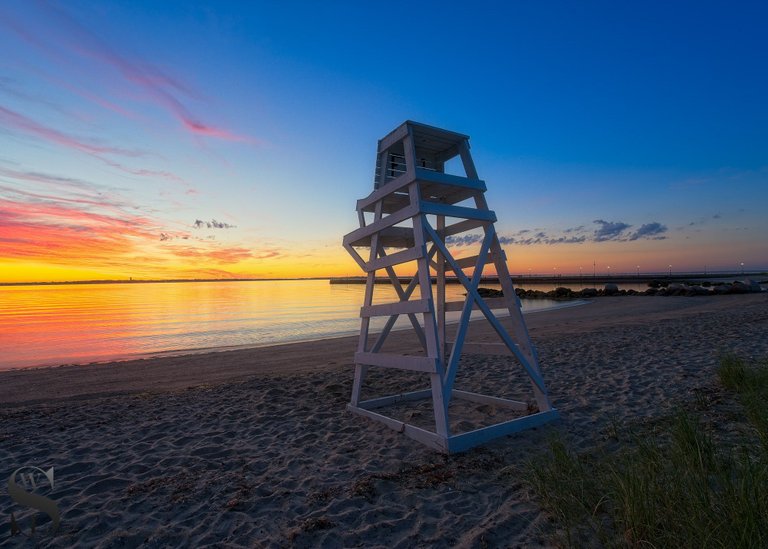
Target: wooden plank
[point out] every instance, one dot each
(396, 308)
(427, 438)
(356, 256)
(392, 237)
(386, 222)
(401, 362)
(457, 196)
(430, 176)
(433, 132)
(495, 401)
(533, 373)
(440, 294)
(466, 262)
(466, 160)
(383, 160)
(403, 295)
(388, 421)
(393, 259)
(380, 194)
(409, 151)
(447, 154)
(519, 329)
(447, 210)
(463, 226)
(439, 402)
(393, 399)
(465, 441)
(390, 203)
(453, 361)
(360, 369)
(393, 137)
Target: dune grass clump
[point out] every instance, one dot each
(750, 382)
(675, 486)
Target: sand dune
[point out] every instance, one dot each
(254, 448)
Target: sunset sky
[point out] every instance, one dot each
(231, 139)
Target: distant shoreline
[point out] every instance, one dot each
(519, 280)
(641, 278)
(169, 281)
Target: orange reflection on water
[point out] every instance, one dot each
(52, 325)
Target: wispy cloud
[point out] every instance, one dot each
(41, 177)
(539, 237)
(212, 224)
(96, 149)
(69, 221)
(609, 230)
(66, 234)
(25, 124)
(701, 221)
(653, 230)
(11, 88)
(38, 227)
(157, 85)
(606, 231)
(213, 273)
(223, 255)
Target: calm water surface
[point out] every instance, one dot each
(52, 325)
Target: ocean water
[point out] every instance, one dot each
(78, 324)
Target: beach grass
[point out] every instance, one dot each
(679, 483)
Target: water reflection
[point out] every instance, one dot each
(52, 325)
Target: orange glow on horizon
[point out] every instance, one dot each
(188, 262)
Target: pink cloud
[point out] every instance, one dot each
(213, 273)
(100, 202)
(27, 125)
(159, 86)
(221, 255)
(62, 234)
(24, 124)
(39, 177)
(143, 172)
(211, 131)
(60, 215)
(266, 254)
(100, 231)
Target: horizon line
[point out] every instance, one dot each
(520, 276)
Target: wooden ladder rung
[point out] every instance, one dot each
(398, 308)
(394, 259)
(402, 362)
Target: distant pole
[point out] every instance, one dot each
(670, 270)
(638, 271)
(742, 268)
(594, 269)
(609, 271)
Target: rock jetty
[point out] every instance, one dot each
(655, 288)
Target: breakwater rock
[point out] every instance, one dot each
(610, 289)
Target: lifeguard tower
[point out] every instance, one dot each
(413, 211)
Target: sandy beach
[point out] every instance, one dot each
(254, 447)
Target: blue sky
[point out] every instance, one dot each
(615, 133)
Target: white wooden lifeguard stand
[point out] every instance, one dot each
(410, 189)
